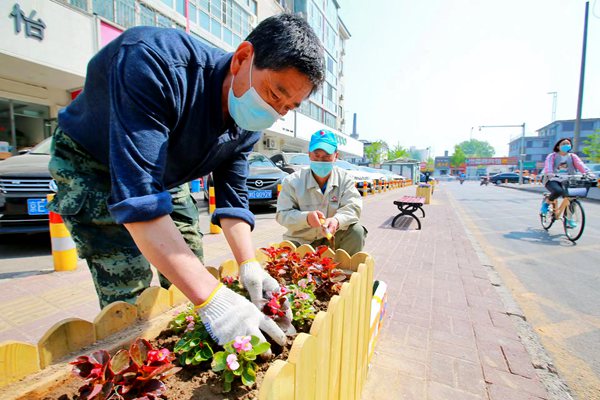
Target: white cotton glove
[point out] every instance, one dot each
(227, 314)
(257, 282)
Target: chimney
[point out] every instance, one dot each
(354, 133)
(445, 153)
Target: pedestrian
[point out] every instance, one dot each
(158, 109)
(320, 205)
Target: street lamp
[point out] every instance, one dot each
(522, 147)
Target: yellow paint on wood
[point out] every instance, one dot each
(17, 360)
(279, 382)
(321, 330)
(261, 256)
(65, 337)
(176, 296)
(358, 259)
(287, 243)
(303, 355)
(363, 322)
(348, 363)
(343, 259)
(328, 253)
(336, 308)
(152, 302)
(229, 268)
(305, 248)
(114, 318)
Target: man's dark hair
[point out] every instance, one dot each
(287, 40)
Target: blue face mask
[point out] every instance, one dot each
(321, 168)
(250, 111)
(565, 148)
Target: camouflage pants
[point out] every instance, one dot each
(352, 239)
(119, 270)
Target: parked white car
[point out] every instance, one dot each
(359, 175)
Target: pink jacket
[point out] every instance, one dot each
(577, 163)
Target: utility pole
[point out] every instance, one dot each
(581, 79)
(522, 146)
(554, 98)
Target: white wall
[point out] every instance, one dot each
(69, 36)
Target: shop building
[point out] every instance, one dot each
(47, 44)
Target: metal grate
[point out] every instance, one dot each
(23, 185)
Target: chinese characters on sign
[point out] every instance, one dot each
(33, 28)
(492, 161)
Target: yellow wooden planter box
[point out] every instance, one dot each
(338, 346)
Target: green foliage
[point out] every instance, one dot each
(196, 345)
(477, 148)
(398, 152)
(373, 152)
(458, 158)
(237, 360)
(301, 298)
(592, 148)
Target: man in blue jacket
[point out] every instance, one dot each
(159, 109)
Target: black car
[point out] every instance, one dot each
(263, 180)
(511, 177)
(291, 162)
(24, 183)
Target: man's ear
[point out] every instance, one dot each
(245, 51)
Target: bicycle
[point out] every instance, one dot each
(570, 210)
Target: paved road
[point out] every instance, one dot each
(556, 283)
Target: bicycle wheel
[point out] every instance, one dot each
(548, 218)
(574, 220)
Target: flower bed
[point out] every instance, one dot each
(337, 343)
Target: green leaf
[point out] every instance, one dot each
(254, 340)
(228, 376)
(248, 376)
(120, 361)
(226, 386)
(261, 347)
(219, 361)
(206, 352)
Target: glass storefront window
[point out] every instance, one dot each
(193, 13)
(104, 9)
(125, 13)
(215, 27)
(147, 16)
(180, 6)
(204, 21)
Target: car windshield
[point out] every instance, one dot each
(346, 165)
(259, 160)
(42, 148)
(300, 159)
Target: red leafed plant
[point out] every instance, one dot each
(137, 373)
(322, 271)
(278, 308)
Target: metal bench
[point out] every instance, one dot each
(407, 206)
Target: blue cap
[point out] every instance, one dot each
(324, 140)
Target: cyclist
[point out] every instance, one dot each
(559, 163)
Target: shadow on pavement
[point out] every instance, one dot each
(404, 223)
(538, 236)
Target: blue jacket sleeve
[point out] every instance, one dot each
(231, 192)
(142, 106)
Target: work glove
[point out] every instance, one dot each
(257, 282)
(226, 315)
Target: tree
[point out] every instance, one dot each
(477, 148)
(458, 158)
(430, 165)
(592, 148)
(373, 152)
(398, 152)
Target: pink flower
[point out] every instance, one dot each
(242, 343)
(228, 280)
(189, 318)
(190, 327)
(303, 283)
(301, 296)
(232, 362)
(158, 355)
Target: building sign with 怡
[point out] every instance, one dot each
(33, 28)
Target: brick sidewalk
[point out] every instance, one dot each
(446, 334)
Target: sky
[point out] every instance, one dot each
(429, 73)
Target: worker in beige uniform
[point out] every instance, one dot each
(320, 205)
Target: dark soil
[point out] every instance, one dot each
(197, 382)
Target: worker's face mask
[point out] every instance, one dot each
(250, 111)
(565, 148)
(321, 168)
